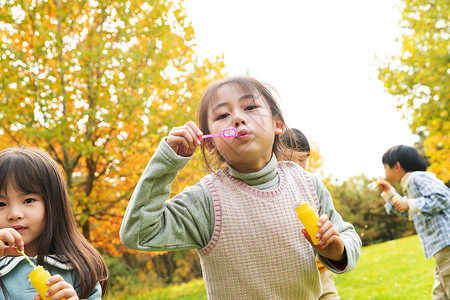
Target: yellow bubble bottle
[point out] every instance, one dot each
(38, 279)
(309, 217)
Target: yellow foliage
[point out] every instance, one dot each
(98, 97)
(315, 160)
(418, 79)
(437, 148)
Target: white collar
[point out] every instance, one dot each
(7, 263)
(405, 181)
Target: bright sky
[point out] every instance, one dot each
(320, 57)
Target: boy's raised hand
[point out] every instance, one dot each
(59, 289)
(10, 241)
(383, 185)
(184, 139)
(330, 243)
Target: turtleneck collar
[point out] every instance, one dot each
(266, 175)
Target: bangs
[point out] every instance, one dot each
(245, 85)
(20, 173)
(242, 84)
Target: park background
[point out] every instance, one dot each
(98, 84)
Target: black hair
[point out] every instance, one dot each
(408, 157)
(294, 139)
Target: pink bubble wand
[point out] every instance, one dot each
(226, 133)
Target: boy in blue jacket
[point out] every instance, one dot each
(426, 202)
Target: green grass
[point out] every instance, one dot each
(387, 271)
(392, 270)
(193, 290)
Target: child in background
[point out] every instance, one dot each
(241, 218)
(297, 142)
(427, 200)
(36, 217)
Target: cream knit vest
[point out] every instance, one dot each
(257, 250)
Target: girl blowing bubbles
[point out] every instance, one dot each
(36, 216)
(241, 218)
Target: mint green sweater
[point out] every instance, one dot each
(186, 221)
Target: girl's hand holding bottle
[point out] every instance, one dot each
(330, 243)
(47, 286)
(10, 240)
(184, 139)
(59, 289)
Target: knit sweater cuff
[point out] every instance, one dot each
(340, 266)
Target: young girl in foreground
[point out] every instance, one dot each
(240, 218)
(36, 216)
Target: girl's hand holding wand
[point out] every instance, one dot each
(10, 240)
(330, 243)
(184, 139)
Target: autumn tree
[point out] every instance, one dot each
(97, 84)
(419, 78)
(315, 159)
